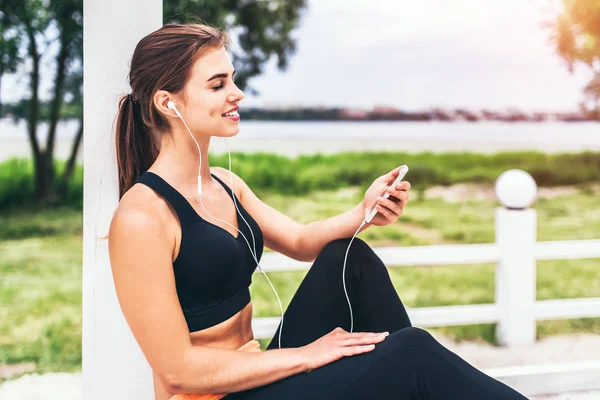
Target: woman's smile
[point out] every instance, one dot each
(232, 115)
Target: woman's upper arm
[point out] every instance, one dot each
(140, 257)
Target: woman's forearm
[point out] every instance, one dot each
(214, 370)
(315, 235)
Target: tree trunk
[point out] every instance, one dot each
(70, 167)
(39, 161)
(1, 74)
(61, 66)
(44, 178)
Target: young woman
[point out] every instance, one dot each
(182, 263)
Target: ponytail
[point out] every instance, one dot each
(136, 149)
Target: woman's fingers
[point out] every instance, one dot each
(401, 195)
(363, 338)
(389, 215)
(395, 208)
(352, 351)
(362, 341)
(340, 333)
(358, 341)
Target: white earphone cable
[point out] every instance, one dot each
(253, 249)
(344, 276)
(253, 253)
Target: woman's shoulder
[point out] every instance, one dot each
(140, 208)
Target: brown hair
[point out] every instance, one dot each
(161, 61)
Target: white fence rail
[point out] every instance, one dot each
(515, 309)
(462, 254)
(450, 254)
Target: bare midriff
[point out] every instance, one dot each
(230, 334)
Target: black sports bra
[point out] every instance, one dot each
(213, 269)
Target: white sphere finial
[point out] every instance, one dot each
(516, 189)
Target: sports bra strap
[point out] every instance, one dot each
(227, 188)
(183, 208)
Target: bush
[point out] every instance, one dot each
(16, 182)
(265, 172)
(17, 189)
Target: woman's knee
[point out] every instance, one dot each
(336, 249)
(361, 258)
(411, 336)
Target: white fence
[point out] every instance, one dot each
(515, 309)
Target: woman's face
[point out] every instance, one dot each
(211, 96)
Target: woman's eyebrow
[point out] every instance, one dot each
(221, 75)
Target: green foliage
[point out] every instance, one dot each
(576, 34)
(265, 172)
(20, 110)
(17, 185)
(272, 173)
(10, 42)
(16, 182)
(262, 29)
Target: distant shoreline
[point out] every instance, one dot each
(293, 138)
(389, 113)
(385, 113)
(293, 147)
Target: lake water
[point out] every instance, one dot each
(293, 138)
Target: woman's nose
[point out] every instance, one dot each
(237, 95)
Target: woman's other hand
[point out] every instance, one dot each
(337, 344)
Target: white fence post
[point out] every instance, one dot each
(516, 270)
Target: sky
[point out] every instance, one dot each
(426, 53)
(414, 55)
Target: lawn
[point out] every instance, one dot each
(41, 256)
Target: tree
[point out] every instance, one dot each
(33, 18)
(261, 28)
(576, 35)
(68, 15)
(9, 48)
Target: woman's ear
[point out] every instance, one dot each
(161, 100)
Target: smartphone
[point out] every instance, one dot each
(401, 175)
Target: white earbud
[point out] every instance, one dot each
(171, 105)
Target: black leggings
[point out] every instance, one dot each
(408, 364)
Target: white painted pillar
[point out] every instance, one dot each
(113, 365)
(516, 271)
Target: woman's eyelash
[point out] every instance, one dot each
(219, 86)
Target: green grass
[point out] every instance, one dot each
(25, 223)
(40, 293)
(271, 173)
(41, 255)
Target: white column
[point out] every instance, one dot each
(113, 365)
(516, 271)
